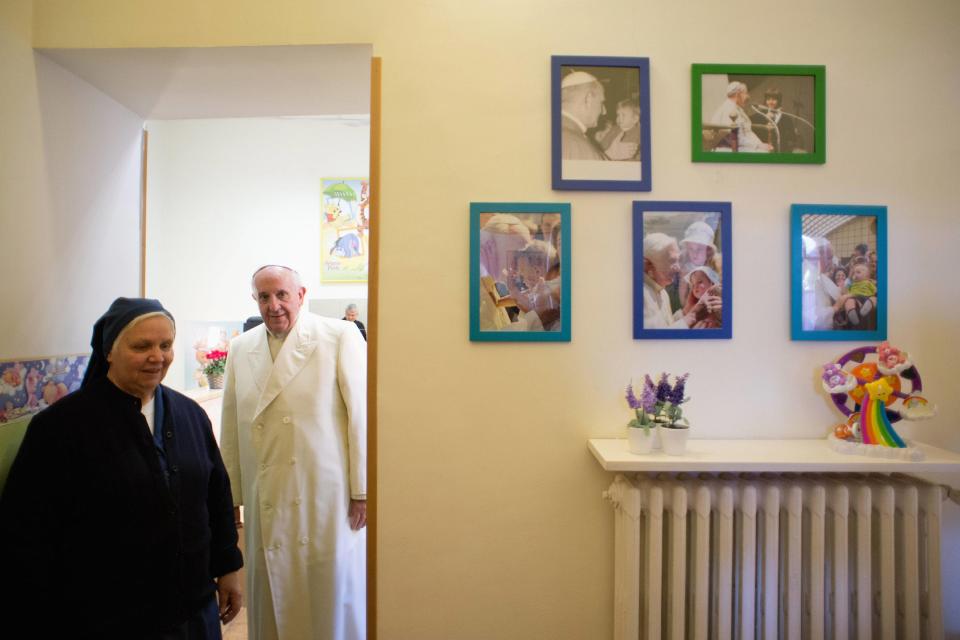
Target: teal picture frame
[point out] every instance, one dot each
(813, 229)
(520, 261)
(791, 132)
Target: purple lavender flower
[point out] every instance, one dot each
(631, 398)
(663, 388)
(648, 399)
(676, 395)
(647, 382)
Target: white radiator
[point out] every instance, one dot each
(776, 556)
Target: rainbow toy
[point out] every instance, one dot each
(874, 388)
(875, 427)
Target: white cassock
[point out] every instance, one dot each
(294, 443)
(730, 114)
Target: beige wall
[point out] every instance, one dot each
(65, 189)
(491, 523)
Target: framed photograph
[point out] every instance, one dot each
(838, 272)
(759, 113)
(519, 272)
(682, 261)
(601, 123)
(344, 230)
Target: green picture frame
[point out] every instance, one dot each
(758, 113)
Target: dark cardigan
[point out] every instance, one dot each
(93, 538)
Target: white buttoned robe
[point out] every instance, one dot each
(294, 443)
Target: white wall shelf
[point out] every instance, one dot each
(797, 456)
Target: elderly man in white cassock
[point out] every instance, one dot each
(294, 444)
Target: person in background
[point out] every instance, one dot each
(116, 520)
(351, 315)
(697, 249)
(294, 436)
(786, 138)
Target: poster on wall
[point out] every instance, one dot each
(28, 386)
(344, 229)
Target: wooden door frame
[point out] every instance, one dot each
(373, 337)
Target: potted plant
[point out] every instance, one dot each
(667, 413)
(216, 362)
(641, 430)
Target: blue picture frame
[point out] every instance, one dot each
(592, 169)
(694, 228)
(821, 235)
(516, 261)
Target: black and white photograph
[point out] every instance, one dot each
(601, 124)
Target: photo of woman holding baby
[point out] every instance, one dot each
(682, 270)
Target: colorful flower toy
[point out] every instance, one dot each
(875, 387)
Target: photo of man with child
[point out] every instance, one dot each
(600, 123)
(682, 270)
(839, 275)
(520, 272)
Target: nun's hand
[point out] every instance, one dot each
(229, 596)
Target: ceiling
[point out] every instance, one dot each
(228, 82)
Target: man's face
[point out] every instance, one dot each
(742, 97)
(351, 315)
(594, 106)
(773, 103)
(142, 356)
(666, 265)
(279, 299)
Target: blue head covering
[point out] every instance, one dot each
(121, 313)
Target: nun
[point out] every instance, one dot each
(116, 520)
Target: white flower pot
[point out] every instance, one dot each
(674, 440)
(640, 440)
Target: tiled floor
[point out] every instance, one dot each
(237, 629)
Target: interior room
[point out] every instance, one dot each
(488, 512)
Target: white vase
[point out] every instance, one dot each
(674, 440)
(640, 440)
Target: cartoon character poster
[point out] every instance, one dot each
(27, 386)
(344, 229)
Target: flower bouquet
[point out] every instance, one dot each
(215, 364)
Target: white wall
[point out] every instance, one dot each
(225, 197)
(490, 522)
(69, 199)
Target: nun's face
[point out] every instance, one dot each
(142, 356)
